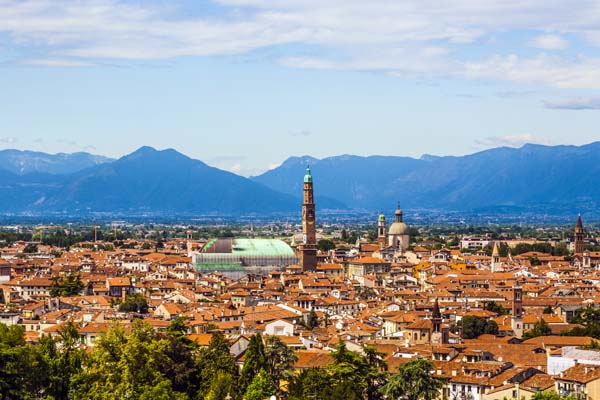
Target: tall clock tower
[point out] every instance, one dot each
(308, 248)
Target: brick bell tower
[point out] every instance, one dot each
(579, 243)
(308, 248)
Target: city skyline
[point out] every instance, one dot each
(242, 85)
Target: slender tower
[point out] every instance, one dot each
(308, 249)
(517, 311)
(495, 258)
(579, 245)
(381, 231)
(188, 242)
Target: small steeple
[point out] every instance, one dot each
(308, 176)
(495, 258)
(398, 213)
(579, 224)
(496, 251)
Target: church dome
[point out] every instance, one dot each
(398, 228)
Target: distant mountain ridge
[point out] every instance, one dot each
(528, 176)
(545, 179)
(22, 162)
(145, 181)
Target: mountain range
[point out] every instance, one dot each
(533, 177)
(527, 177)
(22, 162)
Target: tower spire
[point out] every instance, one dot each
(398, 213)
(579, 243)
(308, 249)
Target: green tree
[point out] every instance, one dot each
(255, 360)
(548, 310)
(540, 328)
(589, 318)
(497, 308)
(23, 372)
(64, 358)
(348, 371)
(30, 248)
(376, 375)
(473, 326)
(180, 364)
(325, 245)
(217, 369)
(134, 303)
(69, 285)
(128, 365)
(261, 387)
(551, 396)
(313, 320)
(413, 381)
(280, 360)
(220, 387)
(309, 384)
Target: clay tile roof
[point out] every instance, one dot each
(582, 373)
(368, 260)
(539, 382)
(312, 359)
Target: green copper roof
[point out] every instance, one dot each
(308, 176)
(255, 247)
(381, 217)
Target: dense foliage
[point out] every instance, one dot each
(589, 319)
(473, 326)
(69, 285)
(134, 361)
(541, 328)
(134, 303)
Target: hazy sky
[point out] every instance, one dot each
(244, 84)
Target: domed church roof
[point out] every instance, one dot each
(398, 227)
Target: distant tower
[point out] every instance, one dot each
(439, 335)
(381, 231)
(495, 258)
(579, 245)
(188, 243)
(308, 248)
(517, 312)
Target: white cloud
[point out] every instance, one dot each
(405, 38)
(8, 140)
(512, 141)
(581, 72)
(549, 42)
(578, 103)
(56, 62)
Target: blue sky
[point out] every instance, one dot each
(244, 84)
